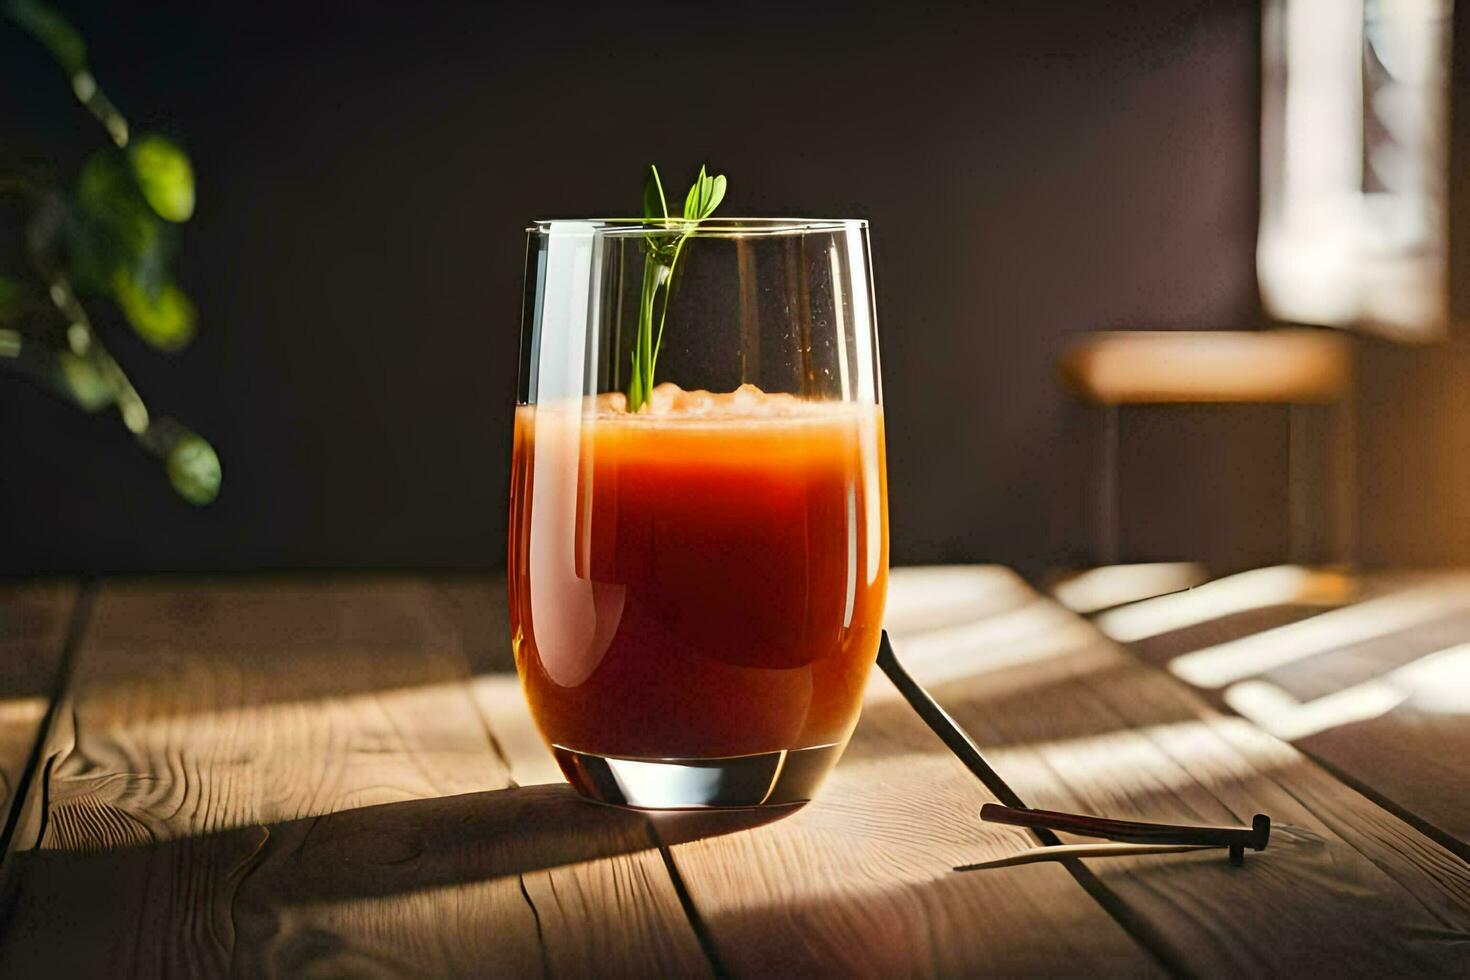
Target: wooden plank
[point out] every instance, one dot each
(289, 776)
(1073, 722)
(1376, 686)
(34, 619)
(859, 881)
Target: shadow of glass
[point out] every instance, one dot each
(395, 848)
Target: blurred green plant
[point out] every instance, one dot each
(111, 236)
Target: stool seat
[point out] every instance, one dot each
(1285, 366)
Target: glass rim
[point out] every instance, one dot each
(723, 227)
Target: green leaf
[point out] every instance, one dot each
(43, 23)
(165, 320)
(693, 199)
(654, 205)
(81, 379)
(112, 227)
(716, 195)
(705, 195)
(194, 470)
(164, 175)
(120, 247)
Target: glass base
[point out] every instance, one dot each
(764, 779)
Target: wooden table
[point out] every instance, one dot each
(337, 776)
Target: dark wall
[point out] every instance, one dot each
(365, 170)
(1414, 454)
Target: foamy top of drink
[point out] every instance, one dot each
(671, 403)
(669, 400)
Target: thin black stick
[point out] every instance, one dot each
(951, 734)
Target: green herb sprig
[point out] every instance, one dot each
(660, 261)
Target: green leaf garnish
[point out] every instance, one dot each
(704, 196)
(660, 261)
(655, 208)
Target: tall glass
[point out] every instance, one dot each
(697, 586)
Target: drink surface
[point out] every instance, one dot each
(704, 580)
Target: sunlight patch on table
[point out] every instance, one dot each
(1249, 656)
(1039, 630)
(502, 704)
(1256, 589)
(923, 597)
(167, 773)
(1438, 683)
(1124, 764)
(1114, 585)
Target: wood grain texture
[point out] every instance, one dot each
(288, 777)
(1072, 722)
(1387, 709)
(34, 620)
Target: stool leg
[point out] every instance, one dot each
(1299, 517)
(1108, 544)
(1321, 484)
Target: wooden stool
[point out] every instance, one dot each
(1307, 371)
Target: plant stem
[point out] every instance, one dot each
(663, 313)
(659, 266)
(52, 30)
(82, 340)
(660, 262)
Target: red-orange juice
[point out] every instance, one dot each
(706, 581)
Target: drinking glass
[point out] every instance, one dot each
(697, 586)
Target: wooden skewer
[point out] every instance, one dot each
(1136, 832)
(1043, 823)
